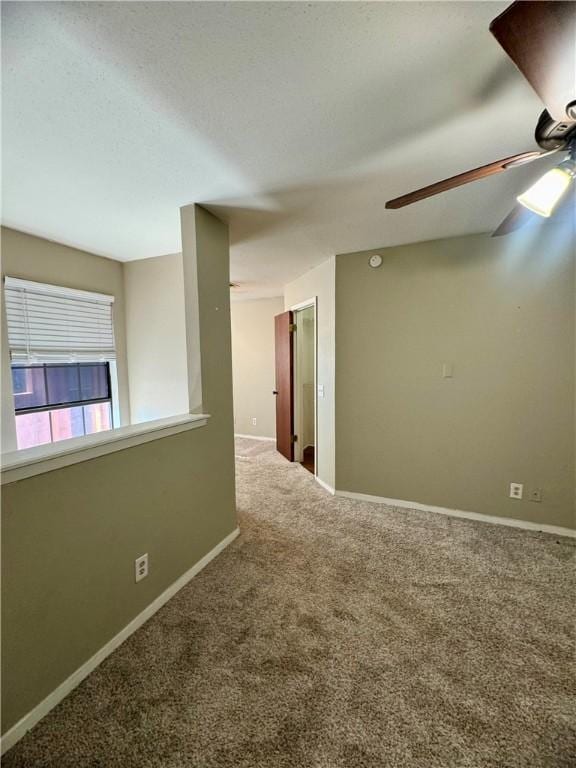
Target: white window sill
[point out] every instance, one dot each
(18, 465)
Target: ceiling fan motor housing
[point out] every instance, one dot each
(551, 134)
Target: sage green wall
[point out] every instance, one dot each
(253, 365)
(33, 258)
(156, 337)
(502, 312)
(70, 537)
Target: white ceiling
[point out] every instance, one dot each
(295, 121)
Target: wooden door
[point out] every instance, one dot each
(283, 328)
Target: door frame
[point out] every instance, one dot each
(312, 302)
(284, 382)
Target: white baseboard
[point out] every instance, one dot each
(510, 521)
(325, 485)
(29, 720)
(255, 437)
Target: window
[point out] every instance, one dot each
(57, 401)
(63, 361)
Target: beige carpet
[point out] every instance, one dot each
(338, 634)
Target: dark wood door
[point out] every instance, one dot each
(283, 325)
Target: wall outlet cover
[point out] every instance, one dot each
(536, 495)
(516, 490)
(141, 567)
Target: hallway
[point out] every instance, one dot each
(337, 634)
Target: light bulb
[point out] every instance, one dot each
(543, 196)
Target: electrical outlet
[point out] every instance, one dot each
(516, 490)
(141, 567)
(536, 494)
(254, 422)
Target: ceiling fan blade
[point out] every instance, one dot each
(464, 178)
(517, 218)
(540, 38)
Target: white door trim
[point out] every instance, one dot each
(326, 487)
(304, 304)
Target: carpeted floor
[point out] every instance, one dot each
(338, 634)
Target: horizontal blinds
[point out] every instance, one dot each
(48, 323)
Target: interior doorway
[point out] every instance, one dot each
(296, 432)
(305, 386)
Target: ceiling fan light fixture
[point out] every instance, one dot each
(543, 196)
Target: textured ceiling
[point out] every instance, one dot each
(295, 121)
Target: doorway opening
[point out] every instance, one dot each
(296, 430)
(305, 387)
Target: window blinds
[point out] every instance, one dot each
(48, 323)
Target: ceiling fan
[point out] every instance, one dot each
(540, 38)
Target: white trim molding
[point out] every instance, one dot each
(509, 521)
(255, 437)
(14, 734)
(18, 465)
(326, 486)
(304, 304)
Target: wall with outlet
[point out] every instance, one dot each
(455, 374)
(253, 365)
(71, 537)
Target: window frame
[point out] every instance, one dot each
(69, 403)
(51, 409)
